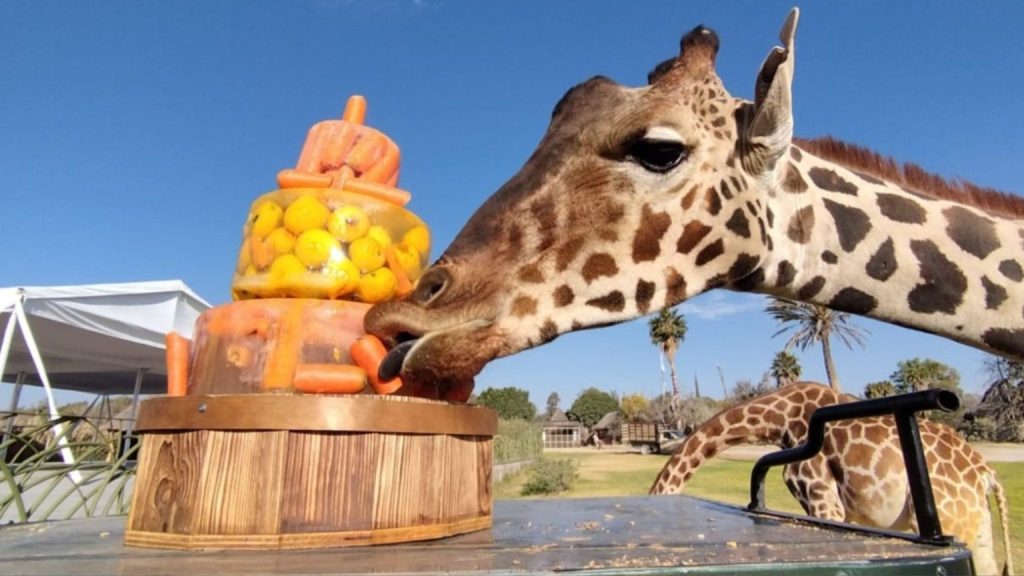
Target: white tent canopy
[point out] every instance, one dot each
(95, 338)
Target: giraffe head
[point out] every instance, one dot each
(635, 199)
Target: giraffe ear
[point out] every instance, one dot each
(772, 123)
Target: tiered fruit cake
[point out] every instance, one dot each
(315, 254)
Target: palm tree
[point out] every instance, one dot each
(785, 368)
(812, 323)
(668, 329)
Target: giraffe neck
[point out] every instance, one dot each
(779, 418)
(858, 244)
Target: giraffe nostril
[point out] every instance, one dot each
(431, 285)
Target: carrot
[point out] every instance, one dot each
(329, 379)
(379, 191)
(368, 352)
(177, 364)
(262, 252)
(393, 181)
(338, 140)
(404, 285)
(290, 178)
(382, 170)
(368, 150)
(312, 150)
(280, 366)
(355, 110)
(340, 176)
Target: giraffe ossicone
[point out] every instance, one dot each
(639, 198)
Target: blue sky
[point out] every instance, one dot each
(135, 134)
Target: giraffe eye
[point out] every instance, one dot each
(657, 155)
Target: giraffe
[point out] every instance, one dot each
(638, 198)
(859, 476)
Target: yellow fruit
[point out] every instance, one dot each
(380, 234)
(316, 247)
(281, 241)
(305, 213)
(348, 223)
(366, 254)
(286, 271)
(266, 218)
(408, 260)
(244, 257)
(377, 286)
(344, 274)
(418, 238)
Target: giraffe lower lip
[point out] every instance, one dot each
(391, 366)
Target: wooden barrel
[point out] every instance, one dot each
(283, 472)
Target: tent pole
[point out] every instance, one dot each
(135, 407)
(5, 347)
(12, 412)
(37, 360)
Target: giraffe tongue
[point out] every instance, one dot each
(391, 366)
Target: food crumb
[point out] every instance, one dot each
(730, 544)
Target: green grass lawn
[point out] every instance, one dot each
(613, 474)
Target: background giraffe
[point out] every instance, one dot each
(639, 198)
(859, 476)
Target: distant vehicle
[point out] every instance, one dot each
(651, 438)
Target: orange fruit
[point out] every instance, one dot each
(348, 223)
(315, 247)
(281, 241)
(418, 238)
(345, 276)
(380, 234)
(366, 254)
(305, 213)
(266, 218)
(377, 286)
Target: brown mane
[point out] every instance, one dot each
(913, 177)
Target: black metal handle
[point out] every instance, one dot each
(903, 407)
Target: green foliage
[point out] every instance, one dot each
(552, 405)
(923, 374)
(785, 369)
(510, 403)
(591, 405)
(517, 440)
(667, 330)
(695, 411)
(549, 476)
(632, 406)
(879, 389)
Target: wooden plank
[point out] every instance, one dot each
(328, 484)
(241, 483)
(360, 413)
(166, 482)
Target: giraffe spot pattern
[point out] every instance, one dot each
(785, 275)
(689, 198)
(726, 192)
(644, 294)
(973, 233)
(795, 153)
(613, 301)
(853, 301)
(745, 274)
(869, 178)
(901, 209)
(1005, 341)
(1012, 270)
(792, 182)
(524, 306)
(647, 240)
(530, 274)
(563, 296)
(544, 213)
(811, 288)
(548, 331)
(829, 257)
(831, 181)
(852, 224)
(675, 287)
(712, 203)
(710, 252)
(567, 252)
(943, 283)
(693, 233)
(883, 262)
(995, 294)
(801, 225)
(598, 265)
(739, 224)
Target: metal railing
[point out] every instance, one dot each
(903, 408)
(36, 484)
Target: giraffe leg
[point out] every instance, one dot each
(811, 483)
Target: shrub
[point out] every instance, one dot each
(517, 440)
(549, 476)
